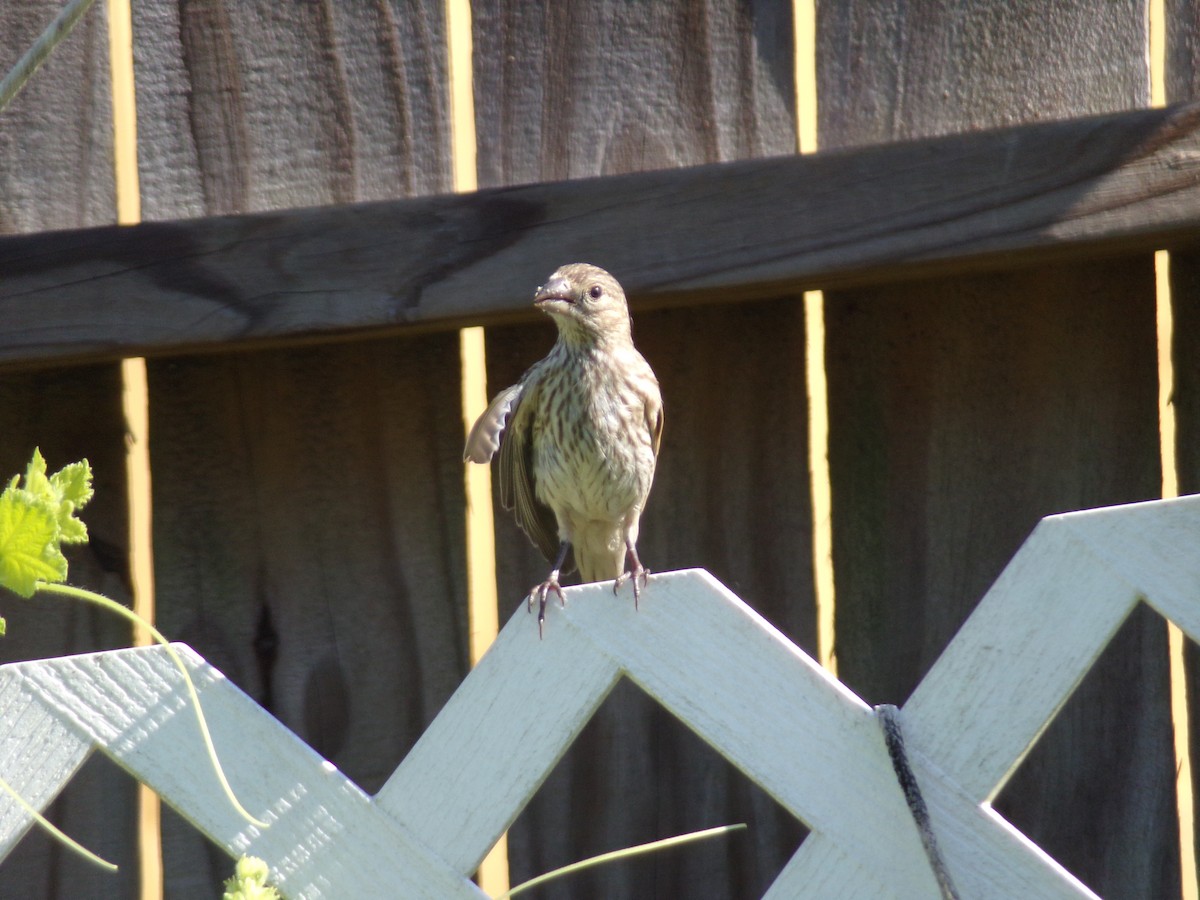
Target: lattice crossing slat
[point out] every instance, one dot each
(703, 654)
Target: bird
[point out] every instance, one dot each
(578, 437)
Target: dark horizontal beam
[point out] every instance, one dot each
(1122, 183)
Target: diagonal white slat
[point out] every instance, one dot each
(708, 658)
(989, 859)
(1008, 671)
(518, 710)
(1035, 634)
(1015, 661)
(326, 840)
(764, 704)
(800, 734)
(38, 765)
(1153, 547)
(823, 869)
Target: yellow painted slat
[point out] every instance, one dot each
(482, 604)
(135, 405)
(804, 18)
(1180, 716)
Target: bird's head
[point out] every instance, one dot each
(586, 303)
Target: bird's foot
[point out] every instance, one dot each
(638, 575)
(540, 593)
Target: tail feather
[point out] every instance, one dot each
(599, 553)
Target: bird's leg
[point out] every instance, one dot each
(542, 591)
(637, 573)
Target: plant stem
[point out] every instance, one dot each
(36, 55)
(621, 854)
(113, 606)
(54, 830)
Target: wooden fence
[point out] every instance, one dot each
(989, 348)
(709, 659)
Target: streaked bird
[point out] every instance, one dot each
(578, 436)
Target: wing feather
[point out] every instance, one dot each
(488, 430)
(517, 487)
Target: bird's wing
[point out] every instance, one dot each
(517, 490)
(484, 439)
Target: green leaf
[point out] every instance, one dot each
(36, 519)
(29, 551)
(70, 488)
(36, 481)
(74, 483)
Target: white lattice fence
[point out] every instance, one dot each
(702, 653)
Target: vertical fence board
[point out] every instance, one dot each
(308, 502)
(56, 135)
(246, 107)
(963, 410)
(56, 171)
(578, 89)
(1183, 83)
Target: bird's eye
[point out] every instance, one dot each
(595, 292)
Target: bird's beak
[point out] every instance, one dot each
(554, 289)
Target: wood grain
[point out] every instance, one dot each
(967, 202)
(245, 107)
(962, 410)
(683, 84)
(1055, 607)
(718, 500)
(623, 88)
(943, 67)
(72, 415)
(56, 166)
(56, 172)
(324, 838)
(308, 500)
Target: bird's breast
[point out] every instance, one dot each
(592, 452)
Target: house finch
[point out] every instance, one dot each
(578, 436)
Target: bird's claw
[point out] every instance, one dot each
(638, 575)
(541, 593)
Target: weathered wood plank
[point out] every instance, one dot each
(324, 840)
(56, 171)
(1040, 627)
(253, 107)
(717, 498)
(497, 737)
(962, 410)
(565, 90)
(56, 166)
(493, 744)
(697, 84)
(743, 230)
(974, 65)
(308, 500)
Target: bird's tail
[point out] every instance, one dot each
(599, 552)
